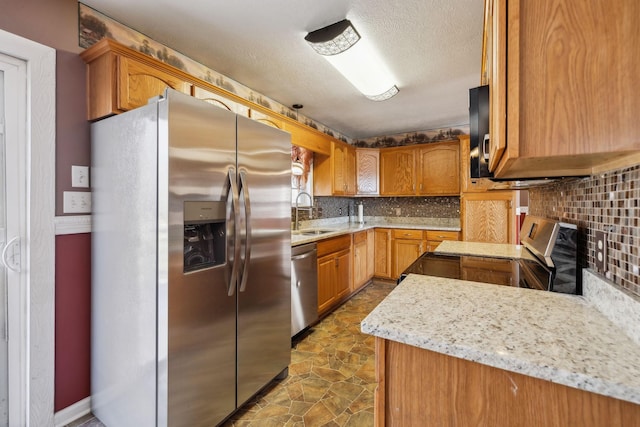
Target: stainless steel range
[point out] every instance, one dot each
(549, 262)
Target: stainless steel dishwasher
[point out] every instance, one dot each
(304, 287)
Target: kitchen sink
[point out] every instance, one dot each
(311, 232)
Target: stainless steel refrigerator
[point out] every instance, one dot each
(191, 268)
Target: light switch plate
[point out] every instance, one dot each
(601, 251)
(80, 176)
(76, 202)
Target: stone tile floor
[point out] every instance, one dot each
(331, 378)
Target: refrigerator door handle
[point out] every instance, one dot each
(247, 220)
(233, 235)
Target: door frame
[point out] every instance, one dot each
(37, 135)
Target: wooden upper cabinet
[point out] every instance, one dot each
(439, 169)
(568, 68)
(367, 171)
(421, 170)
(344, 169)
(334, 175)
(120, 79)
(397, 171)
(308, 138)
(137, 83)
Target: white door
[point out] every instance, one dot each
(4, 347)
(27, 204)
(13, 183)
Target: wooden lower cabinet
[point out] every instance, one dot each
(407, 245)
(360, 260)
(434, 238)
(371, 253)
(382, 250)
(396, 249)
(334, 272)
(418, 387)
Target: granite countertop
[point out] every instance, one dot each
(340, 228)
(496, 250)
(557, 337)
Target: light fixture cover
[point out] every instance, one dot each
(333, 39)
(356, 59)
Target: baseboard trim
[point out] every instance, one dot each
(72, 412)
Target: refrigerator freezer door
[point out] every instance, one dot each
(200, 315)
(124, 272)
(264, 304)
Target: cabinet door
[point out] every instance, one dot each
(138, 82)
(382, 250)
(559, 90)
(350, 171)
(371, 257)
(343, 159)
(496, 19)
(439, 169)
(326, 282)
(343, 274)
(339, 160)
(359, 260)
(367, 171)
(488, 217)
(405, 252)
(397, 172)
(217, 100)
(434, 238)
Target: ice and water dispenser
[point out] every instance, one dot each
(204, 235)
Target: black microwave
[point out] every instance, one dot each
(479, 132)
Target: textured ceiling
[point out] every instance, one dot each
(432, 47)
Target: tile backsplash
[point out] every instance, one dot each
(609, 202)
(431, 207)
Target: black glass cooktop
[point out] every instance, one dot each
(522, 273)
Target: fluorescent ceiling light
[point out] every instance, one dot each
(355, 59)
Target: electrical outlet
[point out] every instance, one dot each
(398, 211)
(80, 176)
(601, 251)
(76, 202)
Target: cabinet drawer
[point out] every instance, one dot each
(333, 245)
(407, 234)
(359, 237)
(442, 235)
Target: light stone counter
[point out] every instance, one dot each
(340, 226)
(497, 250)
(556, 337)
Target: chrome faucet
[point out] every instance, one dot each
(296, 225)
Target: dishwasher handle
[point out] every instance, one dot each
(304, 255)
